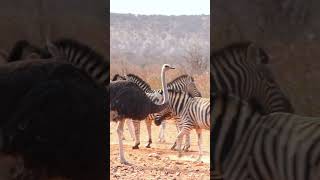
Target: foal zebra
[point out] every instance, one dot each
(240, 69)
(248, 145)
(194, 113)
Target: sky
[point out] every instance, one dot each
(161, 7)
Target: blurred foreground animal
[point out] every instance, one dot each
(53, 117)
(249, 145)
(242, 69)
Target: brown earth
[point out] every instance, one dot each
(158, 162)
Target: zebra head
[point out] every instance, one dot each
(118, 77)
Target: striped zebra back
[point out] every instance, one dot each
(141, 83)
(184, 105)
(182, 83)
(185, 83)
(82, 57)
(254, 146)
(240, 69)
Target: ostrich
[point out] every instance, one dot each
(129, 122)
(53, 116)
(128, 100)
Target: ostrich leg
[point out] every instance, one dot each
(161, 133)
(136, 127)
(148, 125)
(120, 135)
(130, 128)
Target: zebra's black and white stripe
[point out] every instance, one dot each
(194, 113)
(141, 83)
(247, 145)
(82, 57)
(184, 83)
(240, 69)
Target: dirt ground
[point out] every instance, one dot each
(158, 162)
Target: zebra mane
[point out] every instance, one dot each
(137, 78)
(240, 47)
(180, 78)
(71, 43)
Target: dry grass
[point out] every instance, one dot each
(151, 74)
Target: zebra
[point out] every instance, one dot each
(183, 82)
(194, 113)
(241, 69)
(245, 144)
(82, 57)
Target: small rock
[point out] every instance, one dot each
(154, 155)
(178, 174)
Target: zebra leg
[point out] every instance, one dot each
(187, 143)
(161, 133)
(148, 124)
(173, 147)
(179, 140)
(120, 135)
(199, 144)
(136, 127)
(130, 128)
(175, 142)
(123, 138)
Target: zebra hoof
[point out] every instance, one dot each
(147, 146)
(136, 146)
(173, 146)
(186, 148)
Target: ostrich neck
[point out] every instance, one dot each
(164, 87)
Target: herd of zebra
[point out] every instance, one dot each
(183, 102)
(254, 133)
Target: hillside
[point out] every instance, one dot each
(146, 39)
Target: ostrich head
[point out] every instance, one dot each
(167, 67)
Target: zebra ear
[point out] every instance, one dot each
(256, 54)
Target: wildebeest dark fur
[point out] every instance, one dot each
(54, 116)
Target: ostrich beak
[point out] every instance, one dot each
(171, 67)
